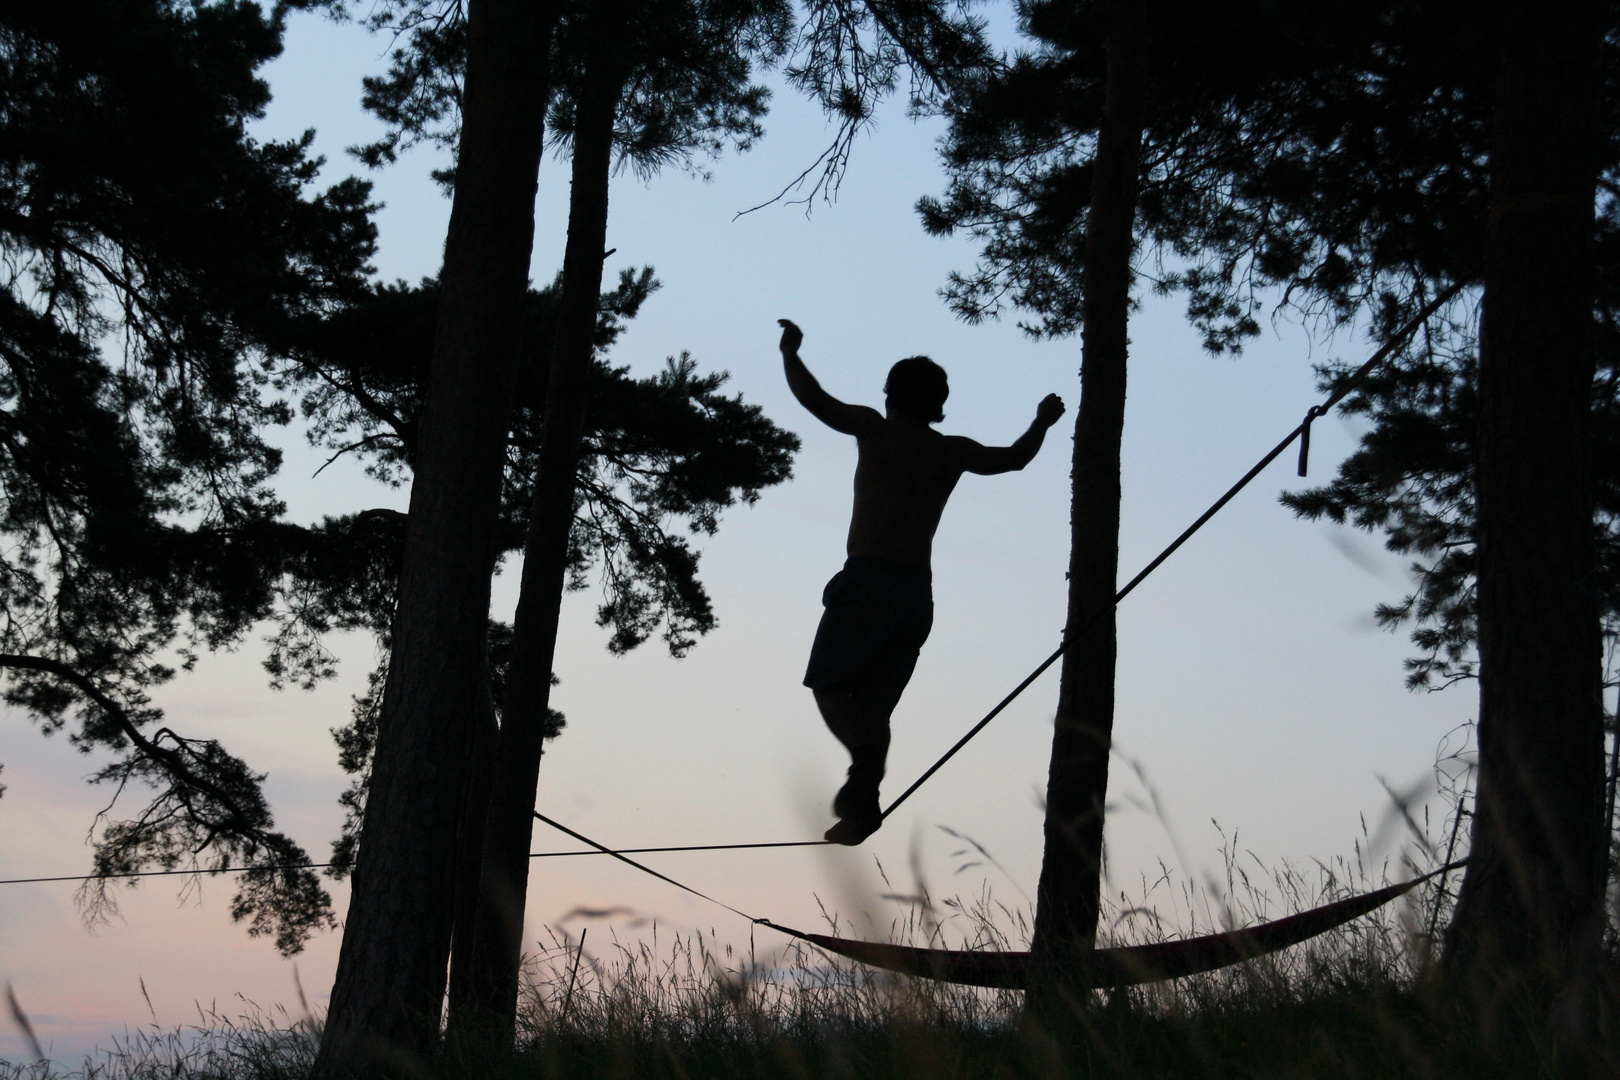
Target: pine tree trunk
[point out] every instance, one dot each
(484, 997)
(1531, 900)
(1077, 779)
(470, 850)
(389, 992)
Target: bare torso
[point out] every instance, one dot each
(905, 474)
(906, 470)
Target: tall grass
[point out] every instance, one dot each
(690, 1007)
(253, 1045)
(1356, 1002)
(1352, 1003)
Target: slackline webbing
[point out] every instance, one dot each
(322, 866)
(1302, 432)
(1242, 944)
(605, 850)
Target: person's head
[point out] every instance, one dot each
(917, 386)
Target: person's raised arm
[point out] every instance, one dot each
(838, 415)
(989, 460)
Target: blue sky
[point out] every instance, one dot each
(1253, 689)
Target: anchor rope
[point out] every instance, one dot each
(120, 874)
(1302, 432)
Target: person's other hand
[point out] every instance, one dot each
(792, 336)
(1048, 411)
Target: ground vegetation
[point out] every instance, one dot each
(1349, 1004)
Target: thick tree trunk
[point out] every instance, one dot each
(1531, 901)
(389, 993)
(470, 853)
(485, 996)
(1077, 780)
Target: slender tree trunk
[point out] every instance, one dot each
(1077, 780)
(486, 999)
(1530, 906)
(388, 996)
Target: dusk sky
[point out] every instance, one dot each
(1254, 690)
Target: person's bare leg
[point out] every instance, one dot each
(852, 725)
(865, 734)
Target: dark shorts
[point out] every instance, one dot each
(878, 614)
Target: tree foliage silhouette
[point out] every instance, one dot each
(1112, 133)
(388, 993)
(1358, 188)
(1345, 163)
(685, 93)
(663, 457)
(154, 253)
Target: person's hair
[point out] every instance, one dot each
(917, 385)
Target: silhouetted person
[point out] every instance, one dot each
(880, 606)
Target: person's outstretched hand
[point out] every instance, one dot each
(791, 336)
(1048, 411)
